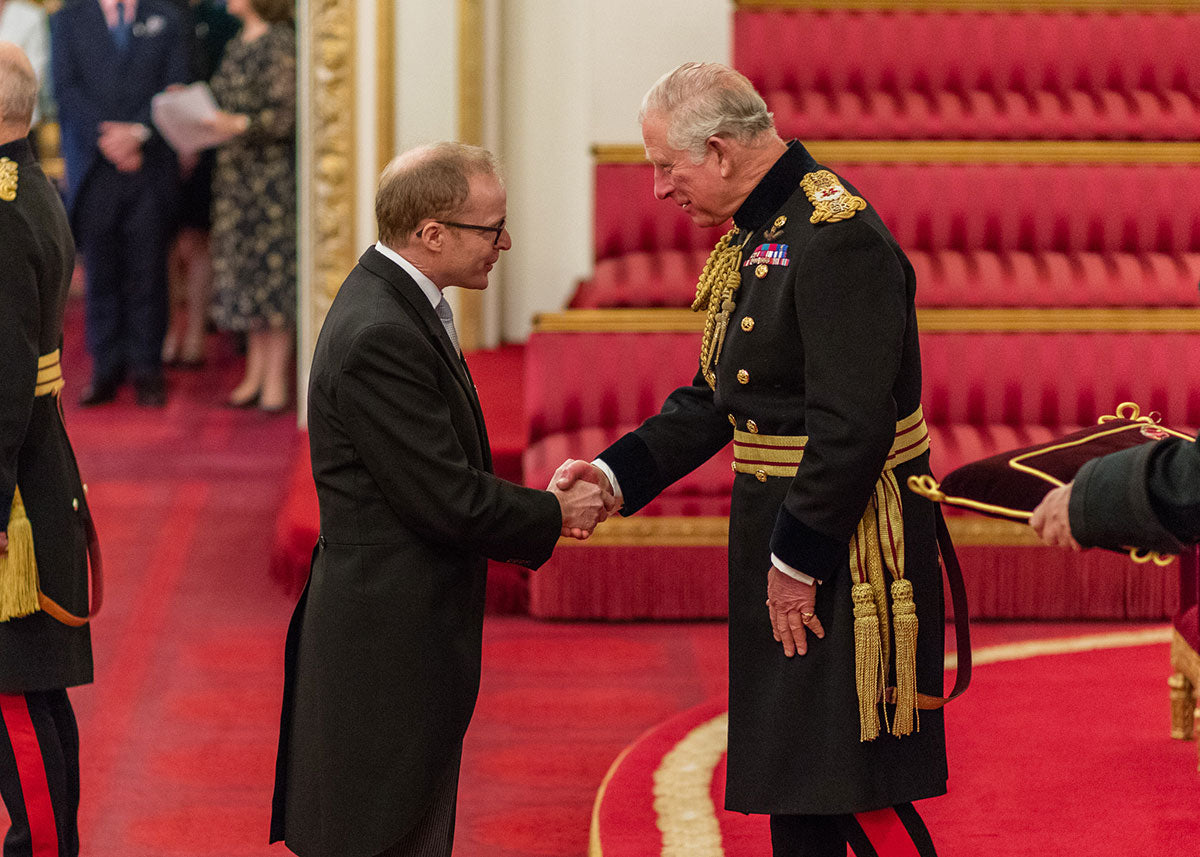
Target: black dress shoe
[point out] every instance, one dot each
(98, 393)
(151, 392)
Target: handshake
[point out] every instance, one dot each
(585, 497)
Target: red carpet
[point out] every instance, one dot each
(1049, 754)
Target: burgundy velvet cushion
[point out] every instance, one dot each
(1012, 483)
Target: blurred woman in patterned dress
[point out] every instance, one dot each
(254, 199)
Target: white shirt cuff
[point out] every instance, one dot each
(612, 479)
(791, 572)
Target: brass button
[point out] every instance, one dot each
(733, 420)
(752, 426)
(733, 466)
(75, 503)
(760, 475)
(747, 324)
(743, 376)
(761, 271)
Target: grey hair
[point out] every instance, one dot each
(702, 100)
(18, 86)
(428, 182)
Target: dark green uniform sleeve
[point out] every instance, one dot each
(1146, 497)
(852, 309)
(19, 325)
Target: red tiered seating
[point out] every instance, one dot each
(1053, 283)
(973, 75)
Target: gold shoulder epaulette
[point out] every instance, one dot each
(8, 179)
(831, 202)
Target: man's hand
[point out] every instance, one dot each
(121, 144)
(582, 507)
(793, 608)
(1051, 519)
(574, 470)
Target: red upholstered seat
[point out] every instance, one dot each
(839, 74)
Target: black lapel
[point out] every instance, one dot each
(411, 293)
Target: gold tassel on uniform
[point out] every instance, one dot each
(18, 567)
(904, 623)
(868, 661)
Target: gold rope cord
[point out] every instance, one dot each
(718, 282)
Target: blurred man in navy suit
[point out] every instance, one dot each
(109, 58)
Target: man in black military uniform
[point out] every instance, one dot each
(45, 644)
(810, 364)
(1145, 497)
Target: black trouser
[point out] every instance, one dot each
(39, 774)
(897, 831)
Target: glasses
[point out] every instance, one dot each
(494, 229)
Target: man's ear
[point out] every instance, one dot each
(431, 237)
(720, 147)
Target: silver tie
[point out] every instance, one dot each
(447, 316)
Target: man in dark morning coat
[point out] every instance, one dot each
(1145, 497)
(42, 503)
(109, 58)
(810, 363)
(383, 651)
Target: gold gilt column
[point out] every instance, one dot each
(328, 142)
(471, 53)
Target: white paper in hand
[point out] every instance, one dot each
(184, 118)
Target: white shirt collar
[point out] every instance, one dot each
(432, 292)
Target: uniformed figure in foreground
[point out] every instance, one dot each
(810, 365)
(1145, 497)
(45, 645)
(383, 651)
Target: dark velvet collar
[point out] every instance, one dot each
(775, 188)
(18, 150)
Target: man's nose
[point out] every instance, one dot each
(505, 242)
(663, 186)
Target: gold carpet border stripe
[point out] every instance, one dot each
(684, 810)
(683, 803)
(713, 531)
(595, 846)
(930, 320)
(962, 152)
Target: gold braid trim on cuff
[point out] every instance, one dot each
(49, 377)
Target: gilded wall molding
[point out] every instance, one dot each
(963, 152)
(331, 108)
(931, 320)
(385, 82)
(471, 53)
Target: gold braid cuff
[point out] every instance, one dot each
(49, 377)
(878, 544)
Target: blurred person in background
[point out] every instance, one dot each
(211, 27)
(254, 199)
(109, 58)
(25, 24)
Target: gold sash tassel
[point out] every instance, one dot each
(868, 661)
(18, 567)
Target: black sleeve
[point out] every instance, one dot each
(852, 308)
(400, 421)
(20, 312)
